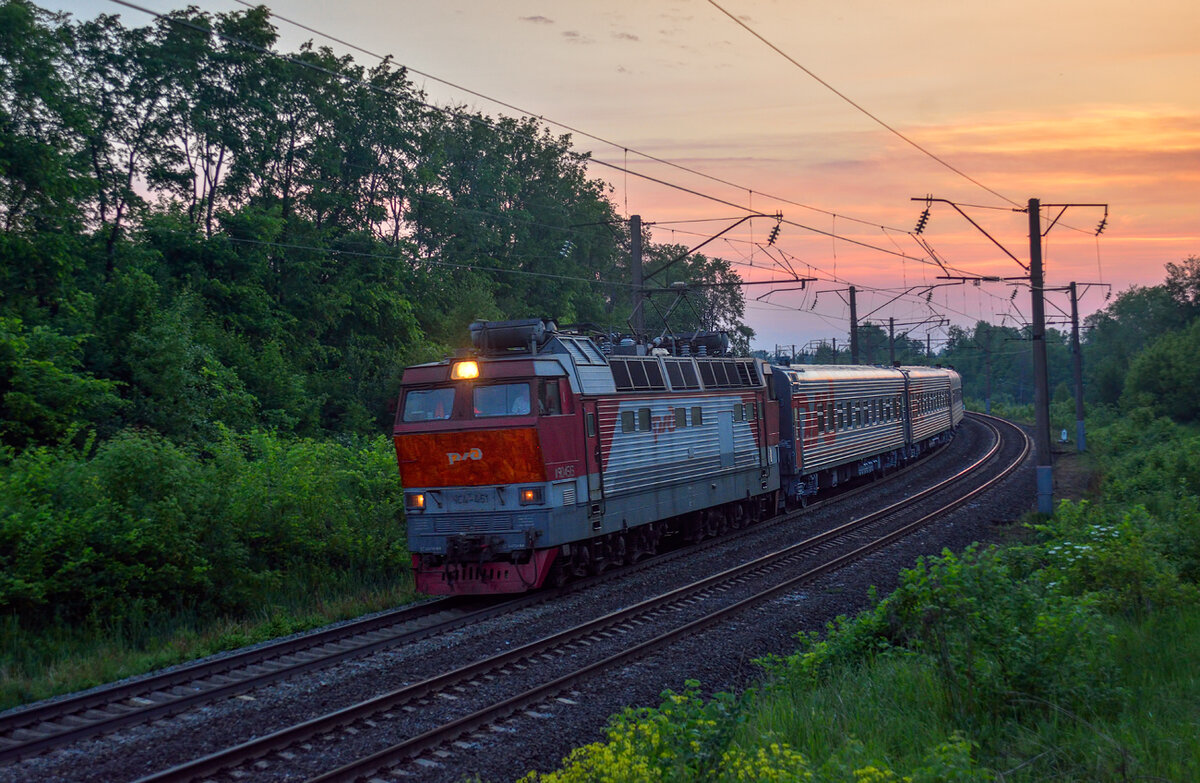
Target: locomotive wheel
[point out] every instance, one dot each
(622, 552)
(583, 561)
(737, 516)
(712, 522)
(558, 575)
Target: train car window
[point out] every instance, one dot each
(680, 418)
(697, 416)
(591, 424)
(549, 401)
(739, 412)
(627, 422)
(820, 418)
(503, 399)
(428, 404)
(644, 419)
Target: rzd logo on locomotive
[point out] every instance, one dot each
(475, 454)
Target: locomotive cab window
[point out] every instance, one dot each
(628, 424)
(680, 418)
(504, 399)
(428, 404)
(697, 416)
(549, 401)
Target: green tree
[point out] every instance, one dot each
(1165, 375)
(1117, 333)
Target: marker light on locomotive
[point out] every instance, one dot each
(531, 496)
(414, 501)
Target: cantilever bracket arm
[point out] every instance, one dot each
(981, 229)
(676, 260)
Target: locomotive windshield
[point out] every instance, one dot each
(428, 404)
(506, 399)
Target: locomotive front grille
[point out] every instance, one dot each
(482, 523)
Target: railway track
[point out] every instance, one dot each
(474, 697)
(45, 726)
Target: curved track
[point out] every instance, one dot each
(54, 723)
(615, 639)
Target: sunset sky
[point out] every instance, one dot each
(1064, 101)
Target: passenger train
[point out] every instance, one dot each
(542, 454)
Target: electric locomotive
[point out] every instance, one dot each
(544, 454)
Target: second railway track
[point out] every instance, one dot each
(470, 698)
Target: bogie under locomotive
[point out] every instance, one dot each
(540, 456)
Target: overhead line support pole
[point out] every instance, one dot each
(637, 322)
(1077, 361)
(892, 342)
(853, 328)
(1041, 395)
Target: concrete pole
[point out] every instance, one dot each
(853, 328)
(1041, 384)
(892, 342)
(638, 320)
(1080, 435)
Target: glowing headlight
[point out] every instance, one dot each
(530, 495)
(462, 371)
(414, 501)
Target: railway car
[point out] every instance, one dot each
(839, 422)
(538, 456)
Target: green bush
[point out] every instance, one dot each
(1123, 560)
(138, 527)
(992, 635)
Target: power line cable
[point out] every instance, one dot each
(562, 125)
(490, 126)
(478, 121)
(847, 99)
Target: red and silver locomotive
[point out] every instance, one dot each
(540, 456)
(544, 454)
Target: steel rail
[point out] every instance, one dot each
(253, 749)
(439, 736)
(41, 727)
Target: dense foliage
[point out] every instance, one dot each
(216, 259)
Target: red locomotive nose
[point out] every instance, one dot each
(469, 458)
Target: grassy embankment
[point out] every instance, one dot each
(1067, 655)
(135, 554)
